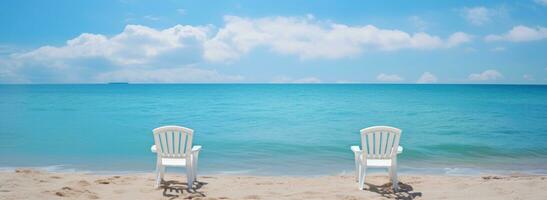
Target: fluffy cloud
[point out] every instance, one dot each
(144, 54)
(457, 39)
(389, 77)
(520, 34)
(135, 45)
(477, 15)
(488, 75)
(427, 77)
(308, 38)
(137, 54)
(7, 49)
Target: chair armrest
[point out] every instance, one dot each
(196, 149)
(399, 149)
(153, 149)
(356, 149)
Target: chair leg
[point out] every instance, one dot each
(356, 169)
(362, 175)
(158, 177)
(393, 176)
(189, 178)
(195, 168)
(196, 172)
(162, 172)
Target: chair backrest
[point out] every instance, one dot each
(380, 142)
(173, 141)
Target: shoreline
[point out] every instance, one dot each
(33, 184)
(411, 171)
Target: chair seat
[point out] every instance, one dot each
(378, 162)
(176, 162)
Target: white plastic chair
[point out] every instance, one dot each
(175, 150)
(380, 148)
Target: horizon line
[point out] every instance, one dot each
(267, 83)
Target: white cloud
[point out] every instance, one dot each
(542, 2)
(481, 15)
(477, 15)
(520, 34)
(488, 75)
(137, 54)
(8, 74)
(389, 77)
(135, 45)
(181, 48)
(308, 38)
(427, 77)
(457, 39)
(7, 49)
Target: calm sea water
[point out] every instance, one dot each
(275, 129)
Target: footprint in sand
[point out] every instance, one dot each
(25, 171)
(195, 195)
(115, 180)
(102, 181)
(491, 177)
(71, 192)
(83, 183)
(40, 180)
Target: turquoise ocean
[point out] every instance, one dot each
(275, 129)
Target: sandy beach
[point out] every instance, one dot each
(31, 184)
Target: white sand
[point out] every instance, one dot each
(29, 184)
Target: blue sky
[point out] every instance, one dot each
(273, 41)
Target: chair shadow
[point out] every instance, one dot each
(174, 189)
(405, 192)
